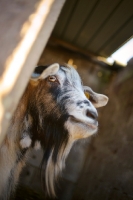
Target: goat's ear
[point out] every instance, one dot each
(50, 70)
(98, 100)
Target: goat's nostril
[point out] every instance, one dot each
(91, 114)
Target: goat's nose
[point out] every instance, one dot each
(91, 114)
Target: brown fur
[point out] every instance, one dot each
(11, 148)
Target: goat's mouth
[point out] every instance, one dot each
(92, 126)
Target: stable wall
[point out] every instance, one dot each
(108, 171)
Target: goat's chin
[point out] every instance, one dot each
(79, 130)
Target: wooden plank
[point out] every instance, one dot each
(119, 17)
(96, 21)
(123, 35)
(64, 18)
(25, 35)
(79, 17)
(71, 47)
(12, 17)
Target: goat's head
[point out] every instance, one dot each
(62, 110)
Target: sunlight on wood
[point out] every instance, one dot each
(30, 29)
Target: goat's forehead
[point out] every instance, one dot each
(70, 74)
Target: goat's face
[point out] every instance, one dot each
(63, 89)
(66, 110)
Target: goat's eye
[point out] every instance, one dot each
(52, 78)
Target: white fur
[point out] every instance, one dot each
(78, 112)
(37, 145)
(25, 142)
(79, 130)
(53, 170)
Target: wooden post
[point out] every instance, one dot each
(25, 29)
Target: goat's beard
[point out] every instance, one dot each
(53, 169)
(56, 148)
(50, 130)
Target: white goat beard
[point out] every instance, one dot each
(53, 170)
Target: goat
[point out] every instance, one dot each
(53, 113)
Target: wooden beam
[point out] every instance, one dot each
(93, 57)
(25, 29)
(70, 46)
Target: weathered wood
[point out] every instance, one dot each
(70, 46)
(25, 29)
